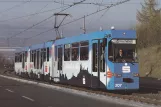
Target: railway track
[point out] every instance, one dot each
(146, 94)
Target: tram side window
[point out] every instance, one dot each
(44, 54)
(41, 60)
(67, 52)
(25, 56)
(47, 54)
(60, 58)
(95, 56)
(32, 56)
(75, 51)
(37, 59)
(17, 57)
(55, 53)
(84, 50)
(23, 59)
(34, 59)
(110, 51)
(20, 57)
(102, 58)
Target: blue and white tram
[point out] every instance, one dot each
(21, 61)
(37, 63)
(104, 59)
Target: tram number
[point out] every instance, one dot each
(118, 85)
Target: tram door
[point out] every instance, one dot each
(98, 64)
(58, 63)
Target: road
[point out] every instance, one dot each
(17, 94)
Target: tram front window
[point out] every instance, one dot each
(123, 51)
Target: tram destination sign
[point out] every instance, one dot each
(115, 41)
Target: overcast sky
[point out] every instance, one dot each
(122, 16)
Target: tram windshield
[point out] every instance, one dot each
(122, 51)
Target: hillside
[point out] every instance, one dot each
(150, 62)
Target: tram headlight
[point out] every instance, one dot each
(135, 74)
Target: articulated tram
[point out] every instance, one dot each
(103, 59)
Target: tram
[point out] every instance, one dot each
(104, 59)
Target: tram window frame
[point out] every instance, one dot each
(126, 52)
(84, 45)
(110, 51)
(95, 59)
(60, 56)
(30, 56)
(37, 58)
(75, 46)
(20, 57)
(47, 53)
(23, 59)
(56, 51)
(102, 52)
(41, 58)
(67, 52)
(34, 58)
(17, 57)
(25, 56)
(114, 49)
(44, 54)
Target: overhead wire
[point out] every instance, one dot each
(33, 1)
(100, 16)
(27, 0)
(75, 3)
(36, 13)
(39, 10)
(112, 5)
(92, 20)
(41, 1)
(15, 6)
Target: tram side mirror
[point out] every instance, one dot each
(104, 43)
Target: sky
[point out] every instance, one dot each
(122, 16)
